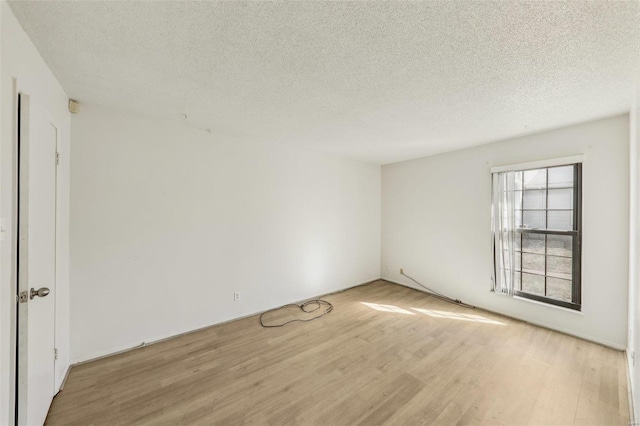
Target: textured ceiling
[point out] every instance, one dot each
(377, 81)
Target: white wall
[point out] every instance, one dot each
(19, 59)
(634, 250)
(436, 225)
(168, 221)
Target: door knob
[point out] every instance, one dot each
(41, 292)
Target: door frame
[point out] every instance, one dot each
(12, 397)
(21, 228)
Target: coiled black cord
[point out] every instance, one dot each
(319, 303)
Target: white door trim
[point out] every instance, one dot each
(24, 376)
(12, 337)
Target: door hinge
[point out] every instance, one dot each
(57, 158)
(55, 354)
(23, 297)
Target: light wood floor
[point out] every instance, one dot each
(415, 360)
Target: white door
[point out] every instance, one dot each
(37, 142)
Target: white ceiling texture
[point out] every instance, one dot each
(376, 81)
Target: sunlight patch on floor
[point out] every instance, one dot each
(457, 316)
(433, 313)
(387, 308)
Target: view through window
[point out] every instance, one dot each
(548, 234)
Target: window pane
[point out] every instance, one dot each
(533, 263)
(561, 198)
(535, 179)
(508, 260)
(559, 267)
(559, 289)
(559, 245)
(535, 199)
(518, 180)
(542, 264)
(561, 177)
(534, 219)
(533, 243)
(517, 195)
(560, 220)
(516, 278)
(533, 284)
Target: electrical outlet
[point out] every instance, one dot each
(236, 296)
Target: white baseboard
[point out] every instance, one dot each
(630, 391)
(66, 376)
(553, 327)
(117, 351)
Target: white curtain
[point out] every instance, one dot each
(503, 229)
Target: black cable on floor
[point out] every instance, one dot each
(319, 303)
(439, 295)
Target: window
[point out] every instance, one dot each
(537, 233)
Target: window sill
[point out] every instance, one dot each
(548, 305)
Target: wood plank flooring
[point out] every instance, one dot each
(385, 355)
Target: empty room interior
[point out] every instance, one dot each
(319, 213)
